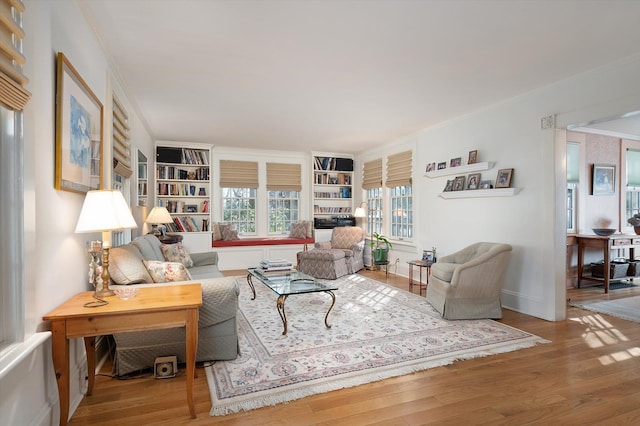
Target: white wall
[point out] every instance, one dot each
(55, 259)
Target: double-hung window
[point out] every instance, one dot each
(239, 185)
(398, 180)
(122, 163)
(573, 178)
(372, 184)
(284, 183)
(633, 183)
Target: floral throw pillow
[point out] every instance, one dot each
(164, 272)
(229, 234)
(298, 230)
(176, 253)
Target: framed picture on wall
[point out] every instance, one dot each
(473, 157)
(503, 180)
(603, 179)
(78, 132)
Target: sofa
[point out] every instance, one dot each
(467, 284)
(131, 265)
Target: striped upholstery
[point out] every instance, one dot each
(336, 258)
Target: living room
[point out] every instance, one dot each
(507, 133)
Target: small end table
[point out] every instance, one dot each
(421, 264)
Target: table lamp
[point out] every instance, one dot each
(158, 216)
(104, 211)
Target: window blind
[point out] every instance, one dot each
(121, 141)
(238, 174)
(399, 169)
(284, 177)
(13, 95)
(633, 168)
(372, 174)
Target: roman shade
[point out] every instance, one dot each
(284, 177)
(238, 174)
(372, 174)
(399, 169)
(13, 95)
(121, 142)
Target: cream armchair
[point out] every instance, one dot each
(333, 259)
(467, 284)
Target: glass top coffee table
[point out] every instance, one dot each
(289, 283)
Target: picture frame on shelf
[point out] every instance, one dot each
(431, 167)
(458, 183)
(79, 123)
(473, 157)
(442, 165)
(603, 179)
(503, 179)
(474, 181)
(449, 186)
(485, 184)
(191, 208)
(455, 162)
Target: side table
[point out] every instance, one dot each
(153, 307)
(421, 264)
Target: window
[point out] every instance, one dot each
(571, 206)
(374, 210)
(239, 207)
(633, 183)
(122, 163)
(573, 177)
(401, 212)
(283, 211)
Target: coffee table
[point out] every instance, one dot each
(289, 283)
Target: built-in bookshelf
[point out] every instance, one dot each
(332, 185)
(183, 186)
(143, 182)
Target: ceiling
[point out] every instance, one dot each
(344, 75)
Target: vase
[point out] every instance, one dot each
(637, 229)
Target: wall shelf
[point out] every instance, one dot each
(467, 168)
(480, 193)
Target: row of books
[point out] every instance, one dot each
(274, 266)
(194, 156)
(333, 179)
(181, 189)
(344, 192)
(177, 206)
(185, 224)
(331, 210)
(173, 172)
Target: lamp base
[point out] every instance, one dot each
(105, 293)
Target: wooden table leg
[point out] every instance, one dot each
(607, 265)
(191, 350)
(580, 261)
(90, 349)
(60, 349)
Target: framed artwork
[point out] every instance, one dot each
(603, 179)
(503, 180)
(458, 183)
(431, 167)
(473, 157)
(449, 186)
(191, 208)
(427, 256)
(474, 181)
(78, 132)
(455, 162)
(485, 184)
(442, 165)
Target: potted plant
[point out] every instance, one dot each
(380, 246)
(635, 222)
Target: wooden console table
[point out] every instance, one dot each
(153, 307)
(606, 244)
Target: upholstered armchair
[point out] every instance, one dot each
(467, 284)
(336, 258)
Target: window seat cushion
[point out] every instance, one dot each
(261, 241)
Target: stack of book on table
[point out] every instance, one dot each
(274, 266)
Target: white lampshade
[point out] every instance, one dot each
(105, 210)
(360, 210)
(159, 215)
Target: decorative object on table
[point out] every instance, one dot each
(105, 211)
(442, 165)
(429, 255)
(94, 248)
(474, 181)
(458, 183)
(473, 157)
(158, 216)
(503, 180)
(485, 184)
(382, 332)
(126, 293)
(78, 132)
(603, 179)
(380, 246)
(635, 222)
(604, 232)
(455, 162)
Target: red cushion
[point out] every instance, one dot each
(261, 241)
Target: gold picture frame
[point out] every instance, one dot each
(79, 124)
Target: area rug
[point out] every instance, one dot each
(377, 331)
(627, 308)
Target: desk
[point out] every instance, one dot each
(153, 307)
(606, 244)
(420, 264)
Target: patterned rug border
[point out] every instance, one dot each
(614, 308)
(296, 391)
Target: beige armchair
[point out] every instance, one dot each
(467, 284)
(333, 259)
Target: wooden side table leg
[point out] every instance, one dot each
(191, 350)
(90, 348)
(60, 355)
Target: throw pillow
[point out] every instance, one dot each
(176, 253)
(216, 234)
(229, 234)
(163, 272)
(298, 230)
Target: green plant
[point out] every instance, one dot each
(635, 220)
(379, 242)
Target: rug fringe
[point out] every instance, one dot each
(222, 409)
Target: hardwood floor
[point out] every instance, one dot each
(588, 374)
